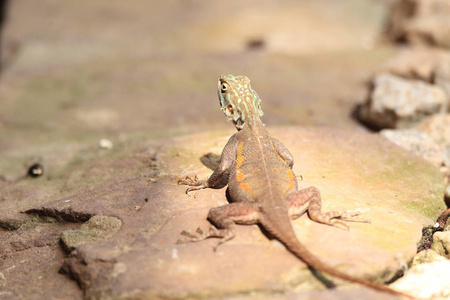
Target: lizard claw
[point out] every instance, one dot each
(220, 242)
(187, 233)
(188, 237)
(188, 181)
(194, 188)
(340, 225)
(354, 216)
(359, 220)
(194, 184)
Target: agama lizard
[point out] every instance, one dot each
(261, 184)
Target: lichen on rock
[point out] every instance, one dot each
(97, 228)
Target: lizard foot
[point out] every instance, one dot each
(346, 215)
(199, 235)
(189, 181)
(194, 184)
(188, 237)
(336, 218)
(352, 216)
(338, 224)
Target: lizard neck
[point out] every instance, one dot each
(253, 123)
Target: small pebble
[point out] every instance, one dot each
(36, 170)
(106, 144)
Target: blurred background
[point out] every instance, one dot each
(78, 71)
(80, 77)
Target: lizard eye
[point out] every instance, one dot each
(223, 88)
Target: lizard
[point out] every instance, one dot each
(262, 186)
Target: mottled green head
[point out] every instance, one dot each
(238, 101)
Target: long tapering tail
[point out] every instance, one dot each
(285, 234)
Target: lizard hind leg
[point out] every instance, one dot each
(309, 199)
(225, 218)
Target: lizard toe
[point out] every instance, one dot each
(339, 224)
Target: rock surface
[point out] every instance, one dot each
(423, 22)
(417, 63)
(428, 277)
(126, 73)
(430, 139)
(353, 170)
(442, 75)
(416, 142)
(398, 103)
(441, 243)
(96, 229)
(438, 128)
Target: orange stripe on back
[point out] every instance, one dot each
(240, 176)
(290, 174)
(245, 187)
(239, 157)
(279, 156)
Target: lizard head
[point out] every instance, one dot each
(238, 101)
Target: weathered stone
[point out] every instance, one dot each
(438, 128)
(427, 256)
(2, 279)
(417, 63)
(446, 160)
(441, 243)
(442, 75)
(420, 22)
(398, 103)
(97, 228)
(352, 169)
(416, 142)
(427, 279)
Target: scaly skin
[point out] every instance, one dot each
(261, 183)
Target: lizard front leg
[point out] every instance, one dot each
(226, 161)
(309, 199)
(283, 151)
(225, 219)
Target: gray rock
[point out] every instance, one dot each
(438, 128)
(442, 75)
(441, 243)
(416, 142)
(398, 103)
(424, 22)
(427, 256)
(428, 277)
(417, 63)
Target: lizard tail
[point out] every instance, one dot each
(285, 234)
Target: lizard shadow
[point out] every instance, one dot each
(211, 161)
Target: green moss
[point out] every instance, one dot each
(408, 174)
(97, 228)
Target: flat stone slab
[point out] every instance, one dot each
(400, 193)
(97, 228)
